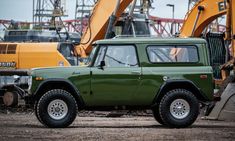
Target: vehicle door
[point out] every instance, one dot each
(115, 76)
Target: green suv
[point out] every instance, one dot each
(170, 76)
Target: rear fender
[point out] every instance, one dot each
(178, 84)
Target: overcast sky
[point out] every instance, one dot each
(22, 10)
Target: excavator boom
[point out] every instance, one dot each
(202, 14)
(98, 22)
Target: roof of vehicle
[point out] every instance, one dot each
(131, 40)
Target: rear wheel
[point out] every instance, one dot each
(179, 108)
(57, 108)
(156, 115)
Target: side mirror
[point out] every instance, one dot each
(102, 64)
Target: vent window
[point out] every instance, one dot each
(3, 49)
(8, 49)
(11, 49)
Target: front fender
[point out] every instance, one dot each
(57, 83)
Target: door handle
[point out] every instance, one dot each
(75, 73)
(136, 72)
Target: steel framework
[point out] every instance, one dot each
(82, 13)
(163, 26)
(48, 12)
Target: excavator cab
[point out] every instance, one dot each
(67, 50)
(138, 25)
(39, 36)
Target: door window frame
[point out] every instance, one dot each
(107, 46)
(175, 46)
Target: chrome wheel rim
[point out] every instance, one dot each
(57, 109)
(179, 108)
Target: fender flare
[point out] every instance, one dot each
(75, 91)
(197, 92)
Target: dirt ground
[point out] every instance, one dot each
(24, 126)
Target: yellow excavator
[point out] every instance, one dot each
(222, 56)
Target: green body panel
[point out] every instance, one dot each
(79, 76)
(132, 85)
(152, 80)
(113, 86)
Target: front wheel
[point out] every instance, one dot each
(57, 108)
(179, 108)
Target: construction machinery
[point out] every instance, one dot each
(222, 50)
(99, 19)
(16, 57)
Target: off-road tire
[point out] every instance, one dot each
(36, 113)
(156, 114)
(168, 116)
(53, 95)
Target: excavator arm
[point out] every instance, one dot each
(202, 14)
(98, 23)
(206, 11)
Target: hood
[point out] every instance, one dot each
(60, 72)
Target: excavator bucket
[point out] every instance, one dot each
(225, 108)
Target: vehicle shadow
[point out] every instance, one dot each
(12, 125)
(120, 126)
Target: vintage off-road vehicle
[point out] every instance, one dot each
(170, 76)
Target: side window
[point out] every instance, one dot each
(121, 56)
(100, 56)
(66, 49)
(163, 54)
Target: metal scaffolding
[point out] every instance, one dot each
(82, 13)
(48, 12)
(84, 7)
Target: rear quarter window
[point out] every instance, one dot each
(172, 54)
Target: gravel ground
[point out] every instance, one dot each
(19, 126)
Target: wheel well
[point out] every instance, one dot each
(8, 88)
(179, 85)
(58, 85)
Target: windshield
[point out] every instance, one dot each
(91, 56)
(66, 49)
(141, 28)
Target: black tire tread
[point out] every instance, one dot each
(163, 109)
(47, 95)
(156, 115)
